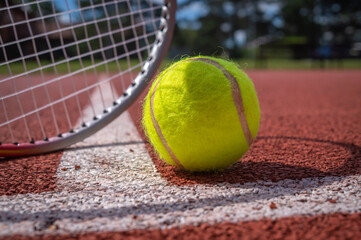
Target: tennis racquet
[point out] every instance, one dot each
(60, 57)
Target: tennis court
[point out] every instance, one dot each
(300, 179)
(74, 159)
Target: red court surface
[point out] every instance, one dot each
(301, 179)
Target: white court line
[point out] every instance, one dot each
(117, 188)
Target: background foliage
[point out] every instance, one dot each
(296, 29)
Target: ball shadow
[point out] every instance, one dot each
(250, 169)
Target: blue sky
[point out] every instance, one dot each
(66, 5)
(188, 15)
(74, 16)
(196, 9)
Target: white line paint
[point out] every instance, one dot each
(113, 156)
(117, 188)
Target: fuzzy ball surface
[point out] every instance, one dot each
(201, 114)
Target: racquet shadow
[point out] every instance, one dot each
(72, 149)
(95, 146)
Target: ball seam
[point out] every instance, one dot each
(237, 97)
(159, 131)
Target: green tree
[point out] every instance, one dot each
(221, 27)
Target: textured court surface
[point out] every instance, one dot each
(300, 180)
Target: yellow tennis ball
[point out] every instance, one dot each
(201, 114)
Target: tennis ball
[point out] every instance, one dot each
(201, 114)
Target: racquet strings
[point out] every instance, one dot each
(60, 57)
